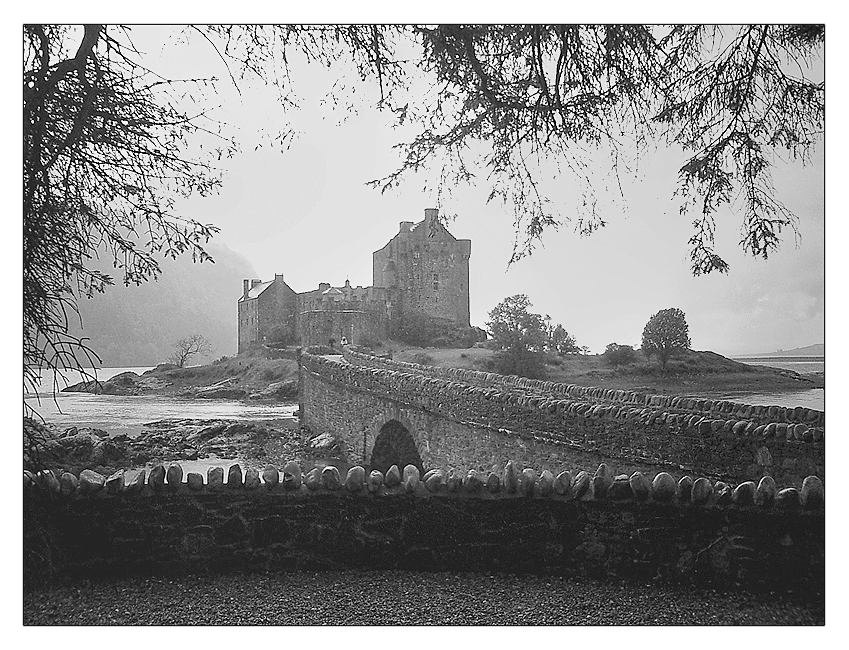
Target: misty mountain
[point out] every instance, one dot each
(138, 325)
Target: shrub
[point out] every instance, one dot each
(619, 355)
(520, 362)
(422, 358)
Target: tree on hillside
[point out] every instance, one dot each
(108, 144)
(616, 355)
(666, 333)
(558, 340)
(520, 336)
(188, 347)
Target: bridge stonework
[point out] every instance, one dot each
(473, 420)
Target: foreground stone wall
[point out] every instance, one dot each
(523, 521)
(472, 426)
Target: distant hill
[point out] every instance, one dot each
(138, 326)
(815, 350)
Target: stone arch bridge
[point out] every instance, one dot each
(386, 412)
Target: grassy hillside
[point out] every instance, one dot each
(692, 372)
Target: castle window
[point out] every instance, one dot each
(436, 282)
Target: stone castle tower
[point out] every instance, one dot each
(423, 270)
(426, 270)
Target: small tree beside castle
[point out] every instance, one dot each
(665, 334)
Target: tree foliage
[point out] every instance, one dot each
(616, 355)
(105, 154)
(731, 97)
(188, 347)
(665, 333)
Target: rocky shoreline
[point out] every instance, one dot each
(254, 444)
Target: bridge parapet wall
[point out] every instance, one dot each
(634, 527)
(734, 449)
(709, 408)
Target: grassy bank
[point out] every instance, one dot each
(692, 372)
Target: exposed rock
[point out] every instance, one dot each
(194, 481)
(663, 487)
(355, 479)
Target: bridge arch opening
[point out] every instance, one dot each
(394, 445)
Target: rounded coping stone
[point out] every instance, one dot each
(411, 478)
(194, 481)
(619, 490)
(174, 476)
(435, 481)
(510, 479)
(744, 494)
(215, 478)
(115, 482)
(374, 480)
(702, 491)
(68, 483)
(47, 480)
(393, 476)
(454, 481)
(788, 498)
(813, 493)
(156, 478)
(252, 479)
(493, 483)
(91, 482)
(563, 483)
(313, 479)
(640, 485)
(685, 488)
(723, 493)
(545, 483)
(355, 479)
(292, 476)
(330, 478)
(581, 485)
(234, 477)
(472, 482)
(765, 492)
(270, 477)
(663, 487)
(528, 481)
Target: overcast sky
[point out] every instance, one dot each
(307, 213)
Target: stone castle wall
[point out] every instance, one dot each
(464, 425)
(518, 520)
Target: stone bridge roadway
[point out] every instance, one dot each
(385, 412)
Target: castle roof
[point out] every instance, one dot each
(257, 289)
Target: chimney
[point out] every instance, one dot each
(246, 286)
(255, 282)
(431, 213)
(278, 276)
(347, 283)
(405, 226)
(323, 286)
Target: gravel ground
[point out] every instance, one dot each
(407, 598)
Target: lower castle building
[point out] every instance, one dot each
(423, 271)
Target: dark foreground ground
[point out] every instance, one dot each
(408, 598)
